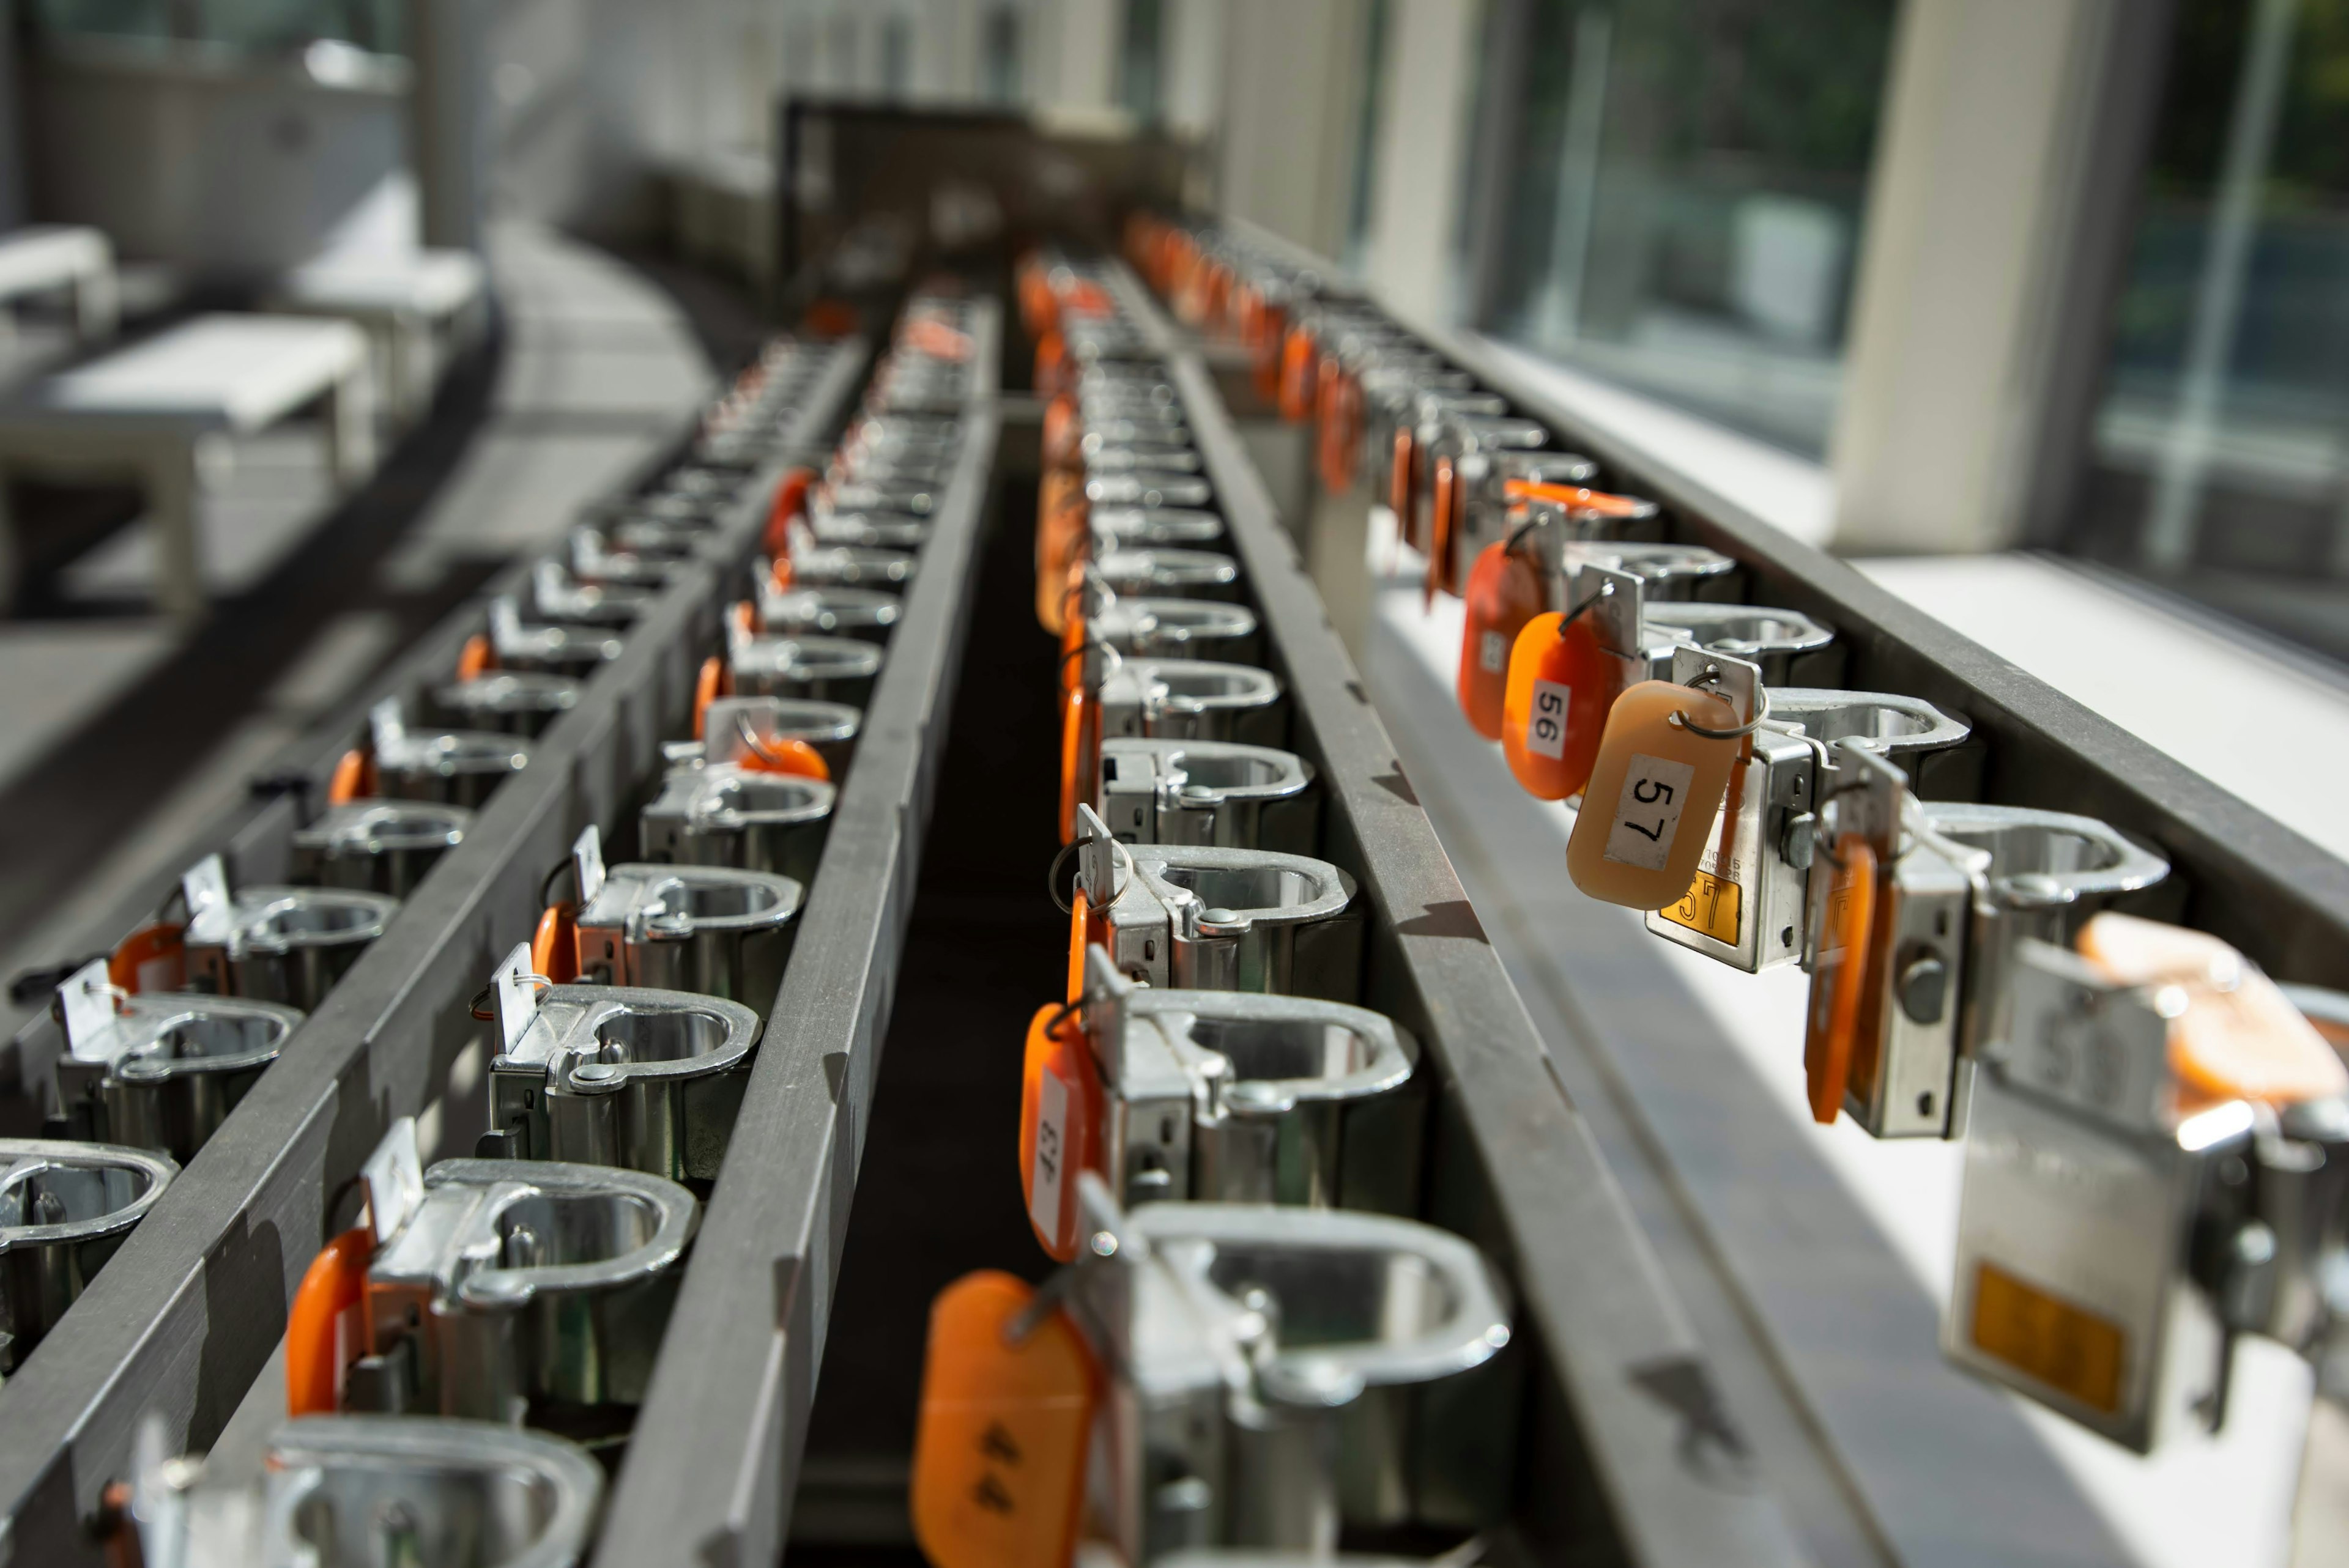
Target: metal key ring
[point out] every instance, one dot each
(1604, 591)
(1681, 719)
(1052, 875)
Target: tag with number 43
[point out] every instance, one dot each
(1654, 794)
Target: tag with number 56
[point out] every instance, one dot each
(1654, 794)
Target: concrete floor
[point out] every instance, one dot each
(121, 734)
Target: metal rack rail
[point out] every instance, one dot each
(186, 1314)
(716, 1445)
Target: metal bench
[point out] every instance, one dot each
(49, 258)
(151, 411)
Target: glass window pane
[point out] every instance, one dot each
(2220, 463)
(1684, 209)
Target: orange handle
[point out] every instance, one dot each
(335, 1282)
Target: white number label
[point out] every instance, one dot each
(1648, 812)
(1492, 651)
(1052, 1143)
(1546, 720)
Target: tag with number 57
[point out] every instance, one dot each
(1654, 794)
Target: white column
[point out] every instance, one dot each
(1073, 45)
(1963, 298)
(1194, 95)
(1291, 79)
(1424, 126)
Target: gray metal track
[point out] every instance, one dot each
(186, 1314)
(714, 1455)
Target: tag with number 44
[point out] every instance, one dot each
(1653, 797)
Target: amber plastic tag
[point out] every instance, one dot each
(2046, 1338)
(152, 958)
(2238, 1035)
(1060, 1113)
(999, 1447)
(1554, 710)
(1654, 794)
(1505, 592)
(1844, 912)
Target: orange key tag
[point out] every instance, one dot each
(1060, 1113)
(152, 958)
(353, 779)
(1844, 914)
(476, 657)
(790, 499)
(1505, 592)
(1445, 499)
(1000, 1445)
(1654, 794)
(712, 682)
(555, 946)
(2237, 1037)
(783, 754)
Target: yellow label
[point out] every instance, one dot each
(1708, 908)
(2069, 1349)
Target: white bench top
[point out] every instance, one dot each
(246, 372)
(50, 255)
(436, 284)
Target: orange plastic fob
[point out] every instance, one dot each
(1059, 1110)
(1839, 976)
(1654, 795)
(1505, 592)
(1560, 685)
(790, 498)
(786, 755)
(476, 657)
(1000, 1444)
(1439, 530)
(1080, 755)
(708, 686)
(555, 946)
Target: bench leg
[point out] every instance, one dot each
(350, 428)
(173, 491)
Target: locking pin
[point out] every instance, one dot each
(1155, 791)
(65, 1208)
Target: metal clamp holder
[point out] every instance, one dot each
(1168, 574)
(822, 669)
(1147, 488)
(1139, 457)
(816, 565)
(1155, 791)
(555, 646)
(871, 530)
(713, 930)
(271, 943)
(724, 814)
(514, 702)
(1192, 699)
(1142, 627)
(65, 1207)
(1958, 884)
(380, 845)
(1747, 907)
(1209, 919)
(506, 1288)
(1791, 648)
(736, 727)
(1268, 1366)
(1152, 528)
(355, 1491)
(556, 595)
(867, 614)
(1231, 1097)
(621, 1075)
(162, 1070)
(459, 767)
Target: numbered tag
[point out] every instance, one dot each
(1843, 911)
(1555, 703)
(86, 1004)
(2238, 1035)
(1000, 1444)
(1654, 795)
(517, 995)
(1060, 1113)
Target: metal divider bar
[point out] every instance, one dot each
(1622, 1389)
(714, 1452)
(187, 1313)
